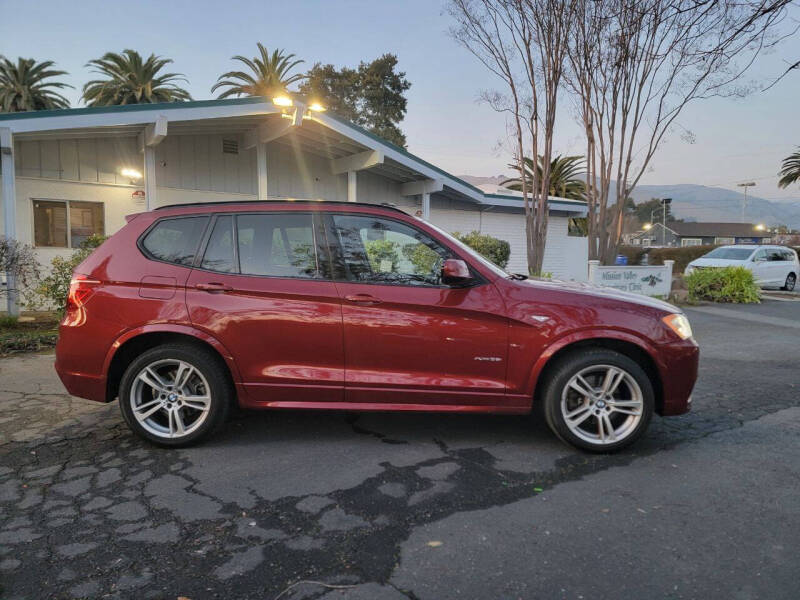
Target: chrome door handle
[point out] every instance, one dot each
(213, 287)
(362, 299)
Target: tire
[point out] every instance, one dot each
(201, 399)
(791, 280)
(627, 410)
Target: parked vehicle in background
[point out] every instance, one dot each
(327, 305)
(772, 266)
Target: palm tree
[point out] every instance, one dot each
(790, 170)
(24, 86)
(130, 80)
(270, 75)
(564, 172)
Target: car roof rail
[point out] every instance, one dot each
(280, 201)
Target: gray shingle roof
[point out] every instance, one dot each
(717, 230)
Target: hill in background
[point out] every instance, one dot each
(702, 203)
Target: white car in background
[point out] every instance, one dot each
(772, 266)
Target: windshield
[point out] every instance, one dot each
(730, 253)
(462, 246)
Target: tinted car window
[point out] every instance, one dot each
(175, 240)
(775, 256)
(279, 245)
(219, 251)
(377, 250)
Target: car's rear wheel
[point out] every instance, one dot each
(175, 395)
(598, 400)
(791, 281)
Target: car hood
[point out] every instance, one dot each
(717, 262)
(597, 291)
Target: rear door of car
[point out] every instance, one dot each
(409, 339)
(262, 287)
(777, 266)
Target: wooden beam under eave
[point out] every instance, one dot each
(422, 186)
(154, 133)
(266, 132)
(357, 162)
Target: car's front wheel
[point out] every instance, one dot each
(598, 400)
(175, 395)
(791, 280)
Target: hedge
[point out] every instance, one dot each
(497, 251)
(656, 256)
(731, 284)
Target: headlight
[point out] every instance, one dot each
(678, 323)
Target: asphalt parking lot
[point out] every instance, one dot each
(403, 506)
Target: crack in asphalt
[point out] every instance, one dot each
(355, 539)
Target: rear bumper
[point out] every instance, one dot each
(678, 364)
(78, 383)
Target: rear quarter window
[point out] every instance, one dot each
(175, 240)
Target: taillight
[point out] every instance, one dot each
(80, 288)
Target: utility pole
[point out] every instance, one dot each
(744, 202)
(664, 202)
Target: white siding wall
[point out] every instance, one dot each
(565, 257)
(193, 168)
(197, 162)
(97, 160)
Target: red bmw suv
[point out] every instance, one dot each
(329, 305)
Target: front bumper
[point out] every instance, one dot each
(678, 366)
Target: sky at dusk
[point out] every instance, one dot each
(736, 139)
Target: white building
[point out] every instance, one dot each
(69, 173)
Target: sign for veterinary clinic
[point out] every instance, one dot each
(650, 280)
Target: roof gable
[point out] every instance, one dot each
(140, 114)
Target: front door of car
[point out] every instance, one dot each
(409, 338)
(761, 267)
(261, 288)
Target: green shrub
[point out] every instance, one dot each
(682, 256)
(730, 284)
(497, 251)
(8, 322)
(54, 288)
(19, 260)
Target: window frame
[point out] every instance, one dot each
(477, 279)
(696, 241)
(201, 241)
(66, 203)
(206, 239)
(319, 251)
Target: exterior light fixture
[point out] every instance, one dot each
(647, 226)
(282, 100)
(131, 174)
(316, 107)
(760, 227)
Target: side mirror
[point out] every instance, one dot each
(455, 271)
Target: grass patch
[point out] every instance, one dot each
(27, 336)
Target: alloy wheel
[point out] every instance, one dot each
(602, 404)
(170, 398)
